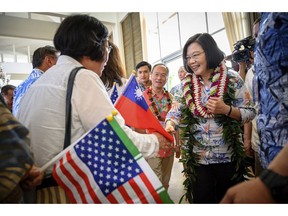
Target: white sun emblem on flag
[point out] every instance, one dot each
(138, 93)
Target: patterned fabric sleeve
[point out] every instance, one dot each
(15, 157)
(243, 99)
(175, 112)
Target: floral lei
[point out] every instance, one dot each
(220, 87)
(155, 108)
(193, 95)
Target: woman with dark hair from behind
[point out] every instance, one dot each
(114, 71)
(212, 109)
(83, 42)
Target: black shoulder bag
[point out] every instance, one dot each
(49, 181)
(67, 139)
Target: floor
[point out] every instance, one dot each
(176, 189)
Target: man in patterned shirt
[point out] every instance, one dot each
(160, 101)
(271, 89)
(43, 59)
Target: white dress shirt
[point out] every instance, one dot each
(42, 110)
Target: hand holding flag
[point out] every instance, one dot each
(104, 166)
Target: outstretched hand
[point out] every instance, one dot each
(164, 143)
(170, 127)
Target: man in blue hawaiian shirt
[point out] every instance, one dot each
(43, 59)
(271, 85)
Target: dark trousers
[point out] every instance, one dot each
(212, 182)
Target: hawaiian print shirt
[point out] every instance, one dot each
(162, 106)
(177, 91)
(23, 88)
(213, 149)
(271, 85)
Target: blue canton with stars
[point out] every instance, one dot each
(109, 161)
(114, 94)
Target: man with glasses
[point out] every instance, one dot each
(43, 58)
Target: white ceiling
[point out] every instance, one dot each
(16, 44)
(21, 45)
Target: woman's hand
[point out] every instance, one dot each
(216, 105)
(170, 127)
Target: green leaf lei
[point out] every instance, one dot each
(231, 135)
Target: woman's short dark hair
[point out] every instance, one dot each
(81, 35)
(213, 54)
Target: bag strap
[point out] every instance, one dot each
(67, 139)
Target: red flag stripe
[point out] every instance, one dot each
(112, 199)
(125, 195)
(138, 191)
(62, 184)
(72, 179)
(150, 187)
(84, 178)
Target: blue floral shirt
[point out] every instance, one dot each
(176, 91)
(271, 85)
(213, 149)
(23, 88)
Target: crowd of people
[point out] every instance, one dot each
(205, 112)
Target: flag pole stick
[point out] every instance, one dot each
(52, 161)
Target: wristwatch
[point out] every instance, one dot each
(277, 184)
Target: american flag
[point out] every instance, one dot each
(114, 94)
(104, 166)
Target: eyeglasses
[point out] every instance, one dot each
(109, 48)
(194, 56)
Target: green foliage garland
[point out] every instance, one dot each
(231, 135)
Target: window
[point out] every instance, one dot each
(167, 33)
(8, 58)
(190, 24)
(173, 72)
(152, 37)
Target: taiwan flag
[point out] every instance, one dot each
(132, 106)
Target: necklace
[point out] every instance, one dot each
(220, 87)
(192, 90)
(155, 108)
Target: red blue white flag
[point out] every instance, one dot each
(135, 110)
(114, 95)
(104, 166)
